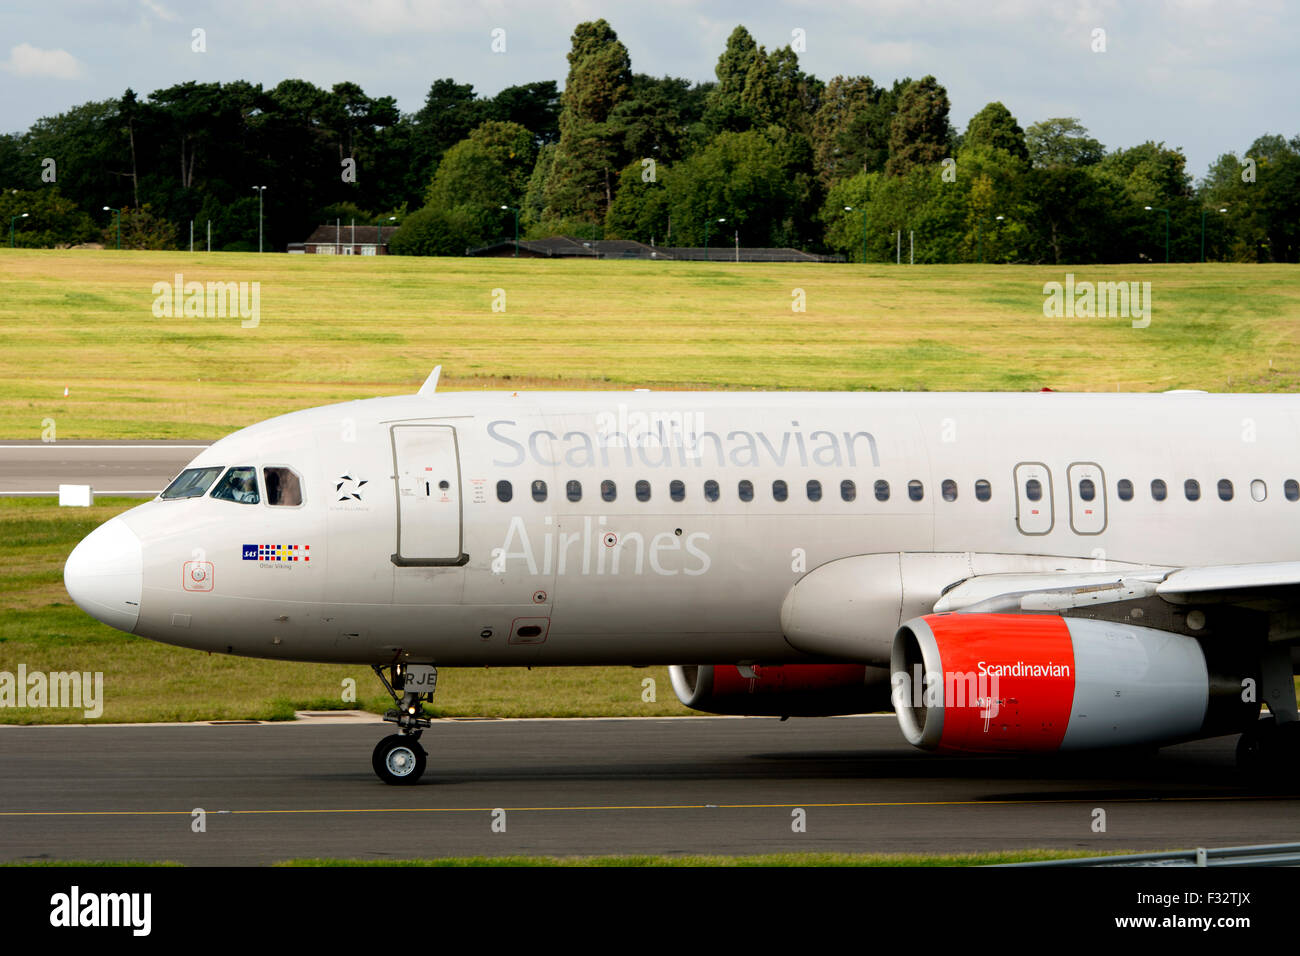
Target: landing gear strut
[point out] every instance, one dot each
(1269, 752)
(399, 758)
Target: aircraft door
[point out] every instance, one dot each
(1087, 498)
(426, 476)
(1034, 498)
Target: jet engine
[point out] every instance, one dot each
(786, 690)
(1033, 683)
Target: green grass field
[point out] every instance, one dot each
(333, 329)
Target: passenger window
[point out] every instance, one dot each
(238, 484)
(915, 490)
(949, 489)
(1192, 489)
(1258, 490)
(504, 491)
(1291, 489)
(573, 490)
(539, 490)
(983, 490)
(677, 490)
(1124, 488)
(1225, 489)
(1087, 489)
(746, 490)
(848, 490)
(882, 490)
(283, 488)
(643, 490)
(607, 490)
(779, 490)
(710, 490)
(814, 490)
(1158, 489)
(192, 482)
(1034, 489)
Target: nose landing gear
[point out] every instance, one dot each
(399, 758)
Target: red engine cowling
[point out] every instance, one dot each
(785, 690)
(1032, 683)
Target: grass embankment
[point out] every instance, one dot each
(337, 328)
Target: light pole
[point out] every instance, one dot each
(1203, 212)
(706, 238)
(979, 233)
(864, 231)
(516, 212)
(11, 227)
(117, 214)
(379, 243)
(259, 190)
(1166, 212)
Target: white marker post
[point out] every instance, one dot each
(76, 496)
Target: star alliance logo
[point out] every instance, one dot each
(349, 488)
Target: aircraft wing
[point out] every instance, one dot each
(1271, 586)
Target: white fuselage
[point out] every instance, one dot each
(403, 543)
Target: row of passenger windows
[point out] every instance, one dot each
(1160, 490)
(1192, 489)
(880, 489)
(712, 490)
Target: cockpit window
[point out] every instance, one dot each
(238, 484)
(192, 482)
(282, 487)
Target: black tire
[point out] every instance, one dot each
(399, 760)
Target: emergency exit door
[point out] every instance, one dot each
(426, 475)
(1087, 497)
(1034, 498)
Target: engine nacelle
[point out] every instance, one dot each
(786, 690)
(1034, 683)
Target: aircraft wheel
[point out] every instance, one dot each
(398, 759)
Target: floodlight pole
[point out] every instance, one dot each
(864, 231)
(515, 210)
(979, 232)
(11, 227)
(117, 214)
(707, 223)
(259, 190)
(379, 244)
(1166, 212)
(1203, 212)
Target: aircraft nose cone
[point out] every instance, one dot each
(104, 575)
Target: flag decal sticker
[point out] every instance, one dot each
(271, 553)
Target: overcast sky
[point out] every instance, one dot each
(1206, 75)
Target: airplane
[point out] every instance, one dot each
(1014, 573)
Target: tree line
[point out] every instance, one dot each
(767, 152)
